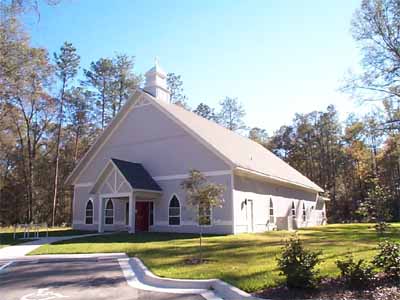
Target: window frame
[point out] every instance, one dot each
(271, 209)
(174, 216)
(107, 209)
(304, 213)
(293, 211)
(92, 213)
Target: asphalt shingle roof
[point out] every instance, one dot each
(136, 175)
(241, 151)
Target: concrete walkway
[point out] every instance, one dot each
(20, 250)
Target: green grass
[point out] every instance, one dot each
(7, 239)
(247, 261)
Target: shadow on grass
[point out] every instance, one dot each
(139, 237)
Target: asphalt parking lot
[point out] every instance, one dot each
(72, 279)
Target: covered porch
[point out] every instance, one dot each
(127, 192)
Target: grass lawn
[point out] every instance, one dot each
(6, 234)
(245, 260)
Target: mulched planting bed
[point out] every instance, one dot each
(334, 289)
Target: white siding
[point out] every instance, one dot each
(259, 193)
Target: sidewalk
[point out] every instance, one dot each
(20, 250)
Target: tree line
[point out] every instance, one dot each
(52, 109)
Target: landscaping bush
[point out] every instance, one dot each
(356, 274)
(297, 264)
(381, 227)
(388, 259)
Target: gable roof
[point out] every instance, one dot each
(240, 153)
(243, 153)
(136, 175)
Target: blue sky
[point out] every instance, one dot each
(277, 57)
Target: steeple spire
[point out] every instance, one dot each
(156, 82)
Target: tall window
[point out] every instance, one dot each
(89, 212)
(109, 212)
(293, 210)
(271, 211)
(204, 214)
(174, 212)
(304, 215)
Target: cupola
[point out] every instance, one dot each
(156, 82)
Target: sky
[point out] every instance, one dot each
(277, 57)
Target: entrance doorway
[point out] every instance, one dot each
(142, 216)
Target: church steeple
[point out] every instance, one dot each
(156, 82)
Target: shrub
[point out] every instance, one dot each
(356, 274)
(388, 259)
(297, 264)
(381, 227)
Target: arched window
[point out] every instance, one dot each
(89, 212)
(304, 215)
(174, 212)
(293, 210)
(271, 211)
(109, 212)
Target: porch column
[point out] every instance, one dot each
(132, 212)
(101, 215)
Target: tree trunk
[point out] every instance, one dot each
(57, 158)
(103, 105)
(76, 142)
(201, 249)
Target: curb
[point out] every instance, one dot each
(145, 277)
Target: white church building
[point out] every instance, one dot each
(130, 179)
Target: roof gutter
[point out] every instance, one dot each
(275, 179)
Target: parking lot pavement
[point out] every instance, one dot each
(72, 279)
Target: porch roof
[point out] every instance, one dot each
(136, 175)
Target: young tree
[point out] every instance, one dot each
(231, 114)
(66, 65)
(205, 111)
(202, 196)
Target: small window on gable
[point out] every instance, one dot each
(205, 214)
(109, 212)
(174, 212)
(271, 211)
(304, 215)
(293, 210)
(89, 212)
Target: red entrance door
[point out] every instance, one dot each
(142, 216)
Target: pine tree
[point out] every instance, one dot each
(66, 64)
